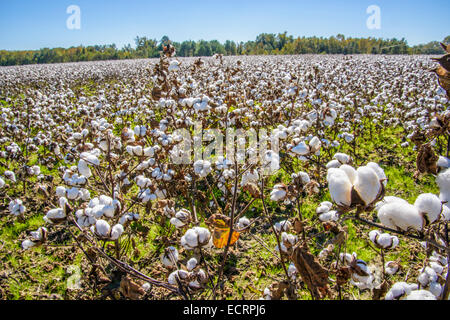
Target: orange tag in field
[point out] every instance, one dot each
(222, 232)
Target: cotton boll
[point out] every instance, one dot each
(72, 193)
(190, 238)
(329, 216)
(301, 149)
(102, 228)
(16, 207)
(292, 271)
(437, 267)
(315, 144)
(333, 164)
(243, 223)
(83, 168)
(178, 274)
(55, 214)
(435, 288)
(420, 295)
(191, 264)
(284, 225)
(60, 191)
(427, 276)
(278, 193)
(443, 181)
(429, 204)
(322, 209)
(342, 158)
(203, 235)
(2, 183)
(400, 289)
(443, 162)
(367, 184)
(400, 215)
(116, 231)
(27, 244)
(10, 175)
(373, 235)
(327, 204)
(391, 267)
(170, 257)
(340, 187)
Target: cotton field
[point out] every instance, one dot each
(262, 177)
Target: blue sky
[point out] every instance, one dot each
(35, 24)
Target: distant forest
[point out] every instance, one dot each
(265, 44)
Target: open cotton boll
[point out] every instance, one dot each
(400, 289)
(83, 168)
(202, 168)
(400, 215)
(427, 276)
(284, 225)
(72, 193)
(443, 181)
(333, 164)
(2, 183)
(340, 187)
(391, 267)
(278, 193)
(367, 184)
(420, 295)
(10, 175)
(190, 239)
(243, 223)
(27, 244)
(322, 209)
(445, 213)
(443, 162)
(301, 149)
(315, 144)
(174, 65)
(327, 204)
(55, 214)
(60, 191)
(116, 231)
(191, 264)
(329, 216)
(342, 158)
(170, 257)
(178, 274)
(437, 267)
(102, 228)
(90, 158)
(16, 207)
(435, 288)
(429, 204)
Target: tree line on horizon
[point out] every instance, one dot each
(264, 44)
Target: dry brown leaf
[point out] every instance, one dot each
(131, 289)
(311, 271)
(253, 189)
(427, 160)
(277, 289)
